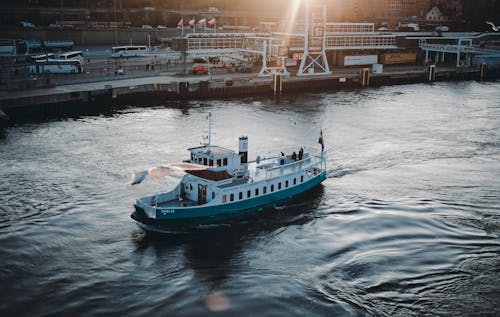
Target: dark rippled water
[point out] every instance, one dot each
(407, 223)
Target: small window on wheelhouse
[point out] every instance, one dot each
(224, 162)
(219, 162)
(213, 195)
(294, 181)
(204, 161)
(211, 162)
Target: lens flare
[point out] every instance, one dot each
(292, 15)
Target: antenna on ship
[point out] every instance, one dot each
(209, 117)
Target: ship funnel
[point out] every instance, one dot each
(243, 149)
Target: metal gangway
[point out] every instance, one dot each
(464, 46)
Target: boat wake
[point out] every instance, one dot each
(283, 207)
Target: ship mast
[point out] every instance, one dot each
(209, 117)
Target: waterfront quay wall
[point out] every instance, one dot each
(157, 90)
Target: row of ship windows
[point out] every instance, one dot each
(210, 162)
(264, 190)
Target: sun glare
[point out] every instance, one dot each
(292, 15)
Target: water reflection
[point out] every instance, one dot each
(406, 224)
(211, 251)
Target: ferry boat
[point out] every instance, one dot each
(225, 185)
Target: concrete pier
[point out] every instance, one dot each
(171, 87)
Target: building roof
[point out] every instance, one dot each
(210, 175)
(214, 150)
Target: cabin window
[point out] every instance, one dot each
(200, 160)
(294, 181)
(211, 162)
(286, 184)
(272, 188)
(219, 162)
(213, 195)
(192, 157)
(301, 178)
(224, 162)
(204, 161)
(249, 193)
(190, 186)
(223, 198)
(256, 192)
(240, 196)
(279, 186)
(264, 189)
(231, 197)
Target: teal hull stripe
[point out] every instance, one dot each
(239, 208)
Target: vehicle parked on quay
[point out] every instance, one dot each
(43, 57)
(72, 55)
(27, 25)
(55, 66)
(129, 51)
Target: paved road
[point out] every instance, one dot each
(215, 79)
(163, 78)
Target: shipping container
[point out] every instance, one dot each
(360, 60)
(398, 58)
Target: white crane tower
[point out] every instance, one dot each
(314, 61)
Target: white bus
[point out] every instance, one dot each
(72, 55)
(42, 57)
(56, 66)
(129, 50)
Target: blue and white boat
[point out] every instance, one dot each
(224, 185)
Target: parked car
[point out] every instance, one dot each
(25, 24)
(200, 69)
(147, 27)
(442, 28)
(161, 27)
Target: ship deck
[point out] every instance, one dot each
(280, 166)
(177, 203)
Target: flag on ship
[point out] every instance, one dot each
(180, 24)
(211, 22)
(320, 141)
(202, 23)
(192, 22)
